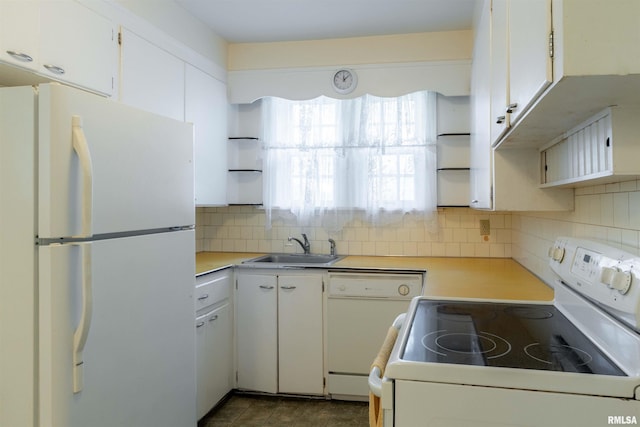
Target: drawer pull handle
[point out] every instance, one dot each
(511, 107)
(203, 297)
(287, 287)
(266, 287)
(199, 324)
(20, 56)
(213, 318)
(54, 69)
(500, 119)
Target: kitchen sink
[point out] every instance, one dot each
(284, 260)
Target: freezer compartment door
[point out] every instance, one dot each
(137, 364)
(105, 167)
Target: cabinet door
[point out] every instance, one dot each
(499, 68)
(204, 372)
(213, 357)
(220, 326)
(77, 46)
(530, 64)
(300, 346)
(19, 30)
(256, 333)
(480, 155)
(206, 108)
(151, 79)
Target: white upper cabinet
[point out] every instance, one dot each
(530, 62)
(596, 64)
(521, 64)
(19, 30)
(206, 108)
(77, 46)
(507, 179)
(59, 41)
(481, 116)
(151, 78)
(497, 57)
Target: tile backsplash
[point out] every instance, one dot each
(242, 229)
(608, 213)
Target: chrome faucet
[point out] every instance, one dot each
(306, 246)
(333, 246)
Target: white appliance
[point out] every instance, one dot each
(360, 307)
(96, 263)
(574, 362)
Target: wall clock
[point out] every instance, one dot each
(344, 81)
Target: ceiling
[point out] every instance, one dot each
(247, 21)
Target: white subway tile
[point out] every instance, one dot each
(621, 210)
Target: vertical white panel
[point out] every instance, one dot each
(17, 257)
(607, 120)
(151, 78)
(499, 75)
(300, 349)
(257, 334)
(481, 179)
(602, 145)
(581, 152)
(529, 61)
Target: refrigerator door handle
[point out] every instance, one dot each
(82, 331)
(81, 148)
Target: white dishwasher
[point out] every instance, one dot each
(360, 308)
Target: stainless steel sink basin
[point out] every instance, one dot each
(293, 260)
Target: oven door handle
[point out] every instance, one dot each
(375, 381)
(376, 375)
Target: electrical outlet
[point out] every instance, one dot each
(485, 228)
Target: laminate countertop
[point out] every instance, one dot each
(491, 278)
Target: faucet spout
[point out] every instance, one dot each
(333, 246)
(306, 246)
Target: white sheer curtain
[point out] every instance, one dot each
(327, 160)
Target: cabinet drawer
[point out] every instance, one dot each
(211, 289)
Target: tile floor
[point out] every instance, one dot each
(249, 410)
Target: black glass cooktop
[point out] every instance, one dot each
(502, 335)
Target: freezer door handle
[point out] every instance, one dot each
(82, 331)
(81, 148)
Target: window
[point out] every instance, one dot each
(371, 155)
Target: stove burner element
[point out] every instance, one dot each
(529, 312)
(445, 343)
(558, 354)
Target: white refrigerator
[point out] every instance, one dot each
(96, 263)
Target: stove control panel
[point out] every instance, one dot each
(605, 274)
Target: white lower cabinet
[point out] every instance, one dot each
(279, 333)
(214, 339)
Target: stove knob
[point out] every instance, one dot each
(616, 279)
(556, 253)
(403, 290)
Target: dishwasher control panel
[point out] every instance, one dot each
(375, 285)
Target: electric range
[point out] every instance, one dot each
(575, 361)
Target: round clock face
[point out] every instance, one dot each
(344, 81)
